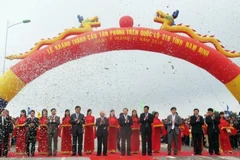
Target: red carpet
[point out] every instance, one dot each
(117, 156)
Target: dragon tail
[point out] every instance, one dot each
(204, 39)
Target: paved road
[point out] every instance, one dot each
(163, 148)
(154, 158)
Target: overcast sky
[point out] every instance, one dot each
(133, 77)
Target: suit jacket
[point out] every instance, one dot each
(5, 128)
(77, 128)
(196, 126)
(10, 124)
(177, 123)
(32, 130)
(102, 128)
(125, 129)
(212, 125)
(146, 124)
(53, 124)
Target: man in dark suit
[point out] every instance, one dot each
(32, 124)
(196, 122)
(6, 129)
(77, 120)
(53, 122)
(102, 134)
(146, 120)
(125, 123)
(11, 122)
(213, 132)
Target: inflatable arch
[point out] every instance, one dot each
(86, 42)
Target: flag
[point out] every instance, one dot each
(29, 110)
(228, 112)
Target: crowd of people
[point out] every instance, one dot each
(124, 133)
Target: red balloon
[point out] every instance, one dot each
(126, 21)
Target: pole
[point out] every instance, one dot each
(6, 40)
(5, 51)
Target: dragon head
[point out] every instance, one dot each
(165, 18)
(92, 22)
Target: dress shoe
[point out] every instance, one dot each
(55, 154)
(122, 154)
(217, 154)
(211, 153)
(80, 154)
(49, 154)
(169, 153)
(98, 154)
(104, 154)
(129, 154)
(175, 153)
(32, 154)
(73, 154)
(144, 154)
(150, 154)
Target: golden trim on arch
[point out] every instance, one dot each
(10, 85)
(234, 87)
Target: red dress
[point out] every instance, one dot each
(112, 136)
(89, 134)
(158, 129)
(65, 132)
(21, 136)
(135, 142)
(183, 131)
(42, 136)
(224, 136)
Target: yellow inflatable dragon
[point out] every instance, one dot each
(167, 22)
(86, 26)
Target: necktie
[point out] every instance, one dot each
(173, 125)
(146, 124)
(213, 125)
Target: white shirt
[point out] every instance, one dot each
(53, 118)
(173, 119)
(146, 115)
(77, 115)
